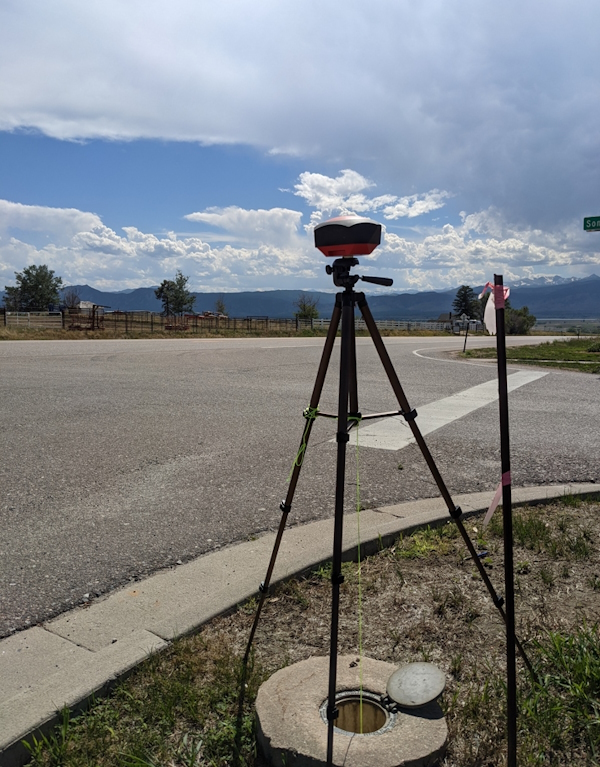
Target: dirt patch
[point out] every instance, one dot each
(423, 599)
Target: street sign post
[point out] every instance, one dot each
(592, 224)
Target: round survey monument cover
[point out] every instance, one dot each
(416, 684)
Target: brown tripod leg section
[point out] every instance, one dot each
(410, 416)
(286, 505)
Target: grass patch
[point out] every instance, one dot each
(562, 710)
(561, 537)
(575, 354)
(180, 707)
(423, 543)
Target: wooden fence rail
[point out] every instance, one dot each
(33, 319)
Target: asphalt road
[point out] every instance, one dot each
(118, 458)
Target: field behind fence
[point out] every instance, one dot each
(151, 322)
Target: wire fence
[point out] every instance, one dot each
(151, 322)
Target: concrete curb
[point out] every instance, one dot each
(82, 653)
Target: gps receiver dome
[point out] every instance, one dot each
(347, 236)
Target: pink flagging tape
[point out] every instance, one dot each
(493, 504)
(501, 293)
(499, 296)
(496, 498)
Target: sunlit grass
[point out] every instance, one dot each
(574, 354)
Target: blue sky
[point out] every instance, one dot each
(144, 137)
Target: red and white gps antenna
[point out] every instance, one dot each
(347, 236)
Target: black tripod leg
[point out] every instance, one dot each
(410, 415)
(352, 377)
(336, 570)
(286, 505)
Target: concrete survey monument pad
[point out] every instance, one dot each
(292, 732)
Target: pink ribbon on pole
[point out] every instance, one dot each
(500, 295)
(496, 499)
(496, 301)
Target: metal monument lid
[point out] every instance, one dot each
(416, 684)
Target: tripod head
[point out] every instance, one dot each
(340, 269)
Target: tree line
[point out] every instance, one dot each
(38, 288)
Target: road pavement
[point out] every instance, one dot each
(118, 458)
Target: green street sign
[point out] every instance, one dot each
(592, 224)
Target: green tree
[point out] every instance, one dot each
(517, 322)
(174, 295)
(36, 288)
(465, 302)
(165, 293)
(307, 307)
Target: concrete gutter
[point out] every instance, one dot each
(82, 653)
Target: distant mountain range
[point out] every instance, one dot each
(545, 280)
(548, 298)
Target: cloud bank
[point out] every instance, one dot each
(271, 249)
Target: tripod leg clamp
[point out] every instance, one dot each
(342, 436)
(332, 713)
(337, 579)
(263, 589)
(410, 416)
(456, 512)
(285, 507)
(498, 601)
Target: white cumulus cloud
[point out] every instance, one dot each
(415, 204)
(277, 225)
(81, 249)
(345, 194)
(61, 222)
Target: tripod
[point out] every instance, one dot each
(348, 414)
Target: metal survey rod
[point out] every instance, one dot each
(509, 584)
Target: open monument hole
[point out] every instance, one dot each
(374, 716)
(359, 715)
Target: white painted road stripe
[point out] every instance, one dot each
(394, 433)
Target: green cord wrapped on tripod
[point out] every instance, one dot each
(310, 413)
